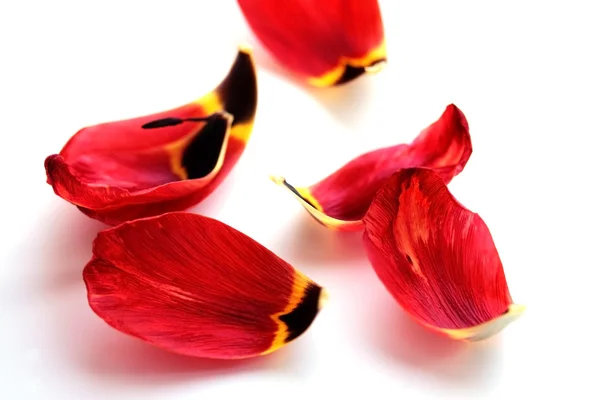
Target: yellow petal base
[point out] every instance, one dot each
(216, 100)
(488, 329)
(372, 63)
(301, 282)
(310, 204)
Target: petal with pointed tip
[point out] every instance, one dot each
(195, 286)
(341, 200)
(436, 258)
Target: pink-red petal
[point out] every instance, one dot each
(436, 258)
(341, 200)
(161, 162)
(323, 42)
(195, 286)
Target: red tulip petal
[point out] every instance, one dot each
(195, 286)
(324, 42)
(341, 200)
(437, 258)
(163, 162)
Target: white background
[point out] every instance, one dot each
(525, 73)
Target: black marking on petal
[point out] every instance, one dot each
(238, 91)
(162, 123)
(293, 189)
(298, 321)
(171, 121)
(350, 73)
(201, 155)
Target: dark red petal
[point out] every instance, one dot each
(162, 162)
(324, 42)
(437, 258)
(341, 200)
(195, 286)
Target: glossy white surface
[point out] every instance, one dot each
(524, 73)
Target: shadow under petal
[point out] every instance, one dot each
(115, 356)
(344, 102)
(309, 242)
(347, 102)
(86, 345)
(66, 246)
(397, 338)
(214, 203)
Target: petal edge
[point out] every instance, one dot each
(192, 285)
(437, 258)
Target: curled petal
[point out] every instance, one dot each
(195, 286)
(436, 258)
(323, 42)
(168, 161)
(341, 200)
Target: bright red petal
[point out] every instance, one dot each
(162, 162)
(324, 42)
(437, 258)
(341, 200)
(195, 286)
(166, 198)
